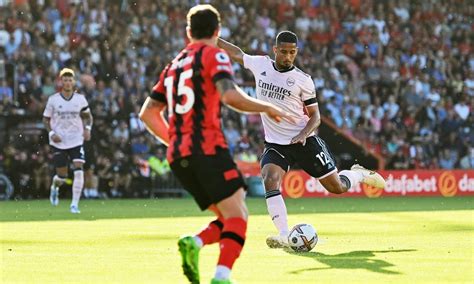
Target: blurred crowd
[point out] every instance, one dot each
(396, 75)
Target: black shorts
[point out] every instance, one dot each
(314, 157)
(62, 157)
(209, 179)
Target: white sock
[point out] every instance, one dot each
(77, 185)
(277, 210)
(350, 178)
(198, 241)
(58, 181)
(222, 272)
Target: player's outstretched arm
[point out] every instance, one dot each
(234, 51)
(233, 96)
(152, 115)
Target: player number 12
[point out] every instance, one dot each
(183, 90)
(323, 158)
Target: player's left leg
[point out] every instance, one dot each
(342, 182)
(320, 164)
(77, 186)
(77, 155)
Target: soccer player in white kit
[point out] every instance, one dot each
(283, 84)
(68, 119)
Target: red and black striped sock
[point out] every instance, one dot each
(212, 233)
(232, 241)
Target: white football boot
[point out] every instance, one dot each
(371, 178)
(54, 195)
(277, 241)
(75, 209)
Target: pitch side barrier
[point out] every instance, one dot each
(298, 184)
(446, 183)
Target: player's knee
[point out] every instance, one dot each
(235, 211)
(78, 167)
(245, 212)
(271, 180)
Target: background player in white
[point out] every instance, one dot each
(282, 84)
(68, 119)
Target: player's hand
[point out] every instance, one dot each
(87, 134)
(300, 138)
(56, 138)
(277, 114)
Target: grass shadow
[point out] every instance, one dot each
(361, 259)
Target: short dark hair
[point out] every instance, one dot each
(203, 20)
(286, 36)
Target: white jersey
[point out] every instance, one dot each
(66, 119)
(290, 90)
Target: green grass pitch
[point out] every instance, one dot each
(386, 240)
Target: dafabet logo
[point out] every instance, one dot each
(447, 184)
(371, 191)
(294, 184)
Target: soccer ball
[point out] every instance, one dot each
(302, 238)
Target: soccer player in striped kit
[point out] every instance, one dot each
(192, 88)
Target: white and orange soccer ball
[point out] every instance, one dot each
(302, 238)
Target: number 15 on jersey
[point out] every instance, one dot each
(182, 90)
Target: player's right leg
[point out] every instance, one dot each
(274, 165)
(58, 180)
(60, 161)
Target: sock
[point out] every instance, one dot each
(350, 178)
(222, 272)
(231, 244)
(58, 181)
(77, 185)
(277, 210)
(211, 234)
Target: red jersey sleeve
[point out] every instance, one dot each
(219, 64)
(159, 91)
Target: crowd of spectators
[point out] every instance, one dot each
(396, 75)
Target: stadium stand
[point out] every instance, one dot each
(396, 75)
